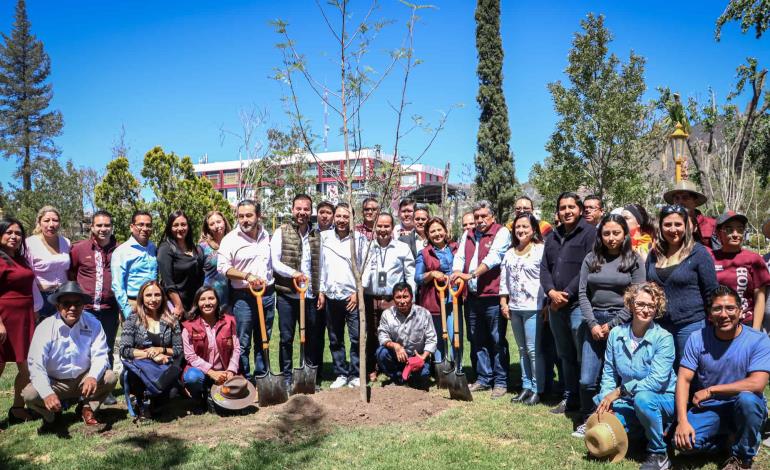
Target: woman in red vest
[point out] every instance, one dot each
(435, 262)
(211, 347)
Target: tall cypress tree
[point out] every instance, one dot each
(26, 129)
(495, 176)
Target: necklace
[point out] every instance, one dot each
(526, 249)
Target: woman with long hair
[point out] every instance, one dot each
(607, 271)
(638, 377)
(211, 346)
(434, 261)
(151, 332)
(19, 299)
(180, 263)
(521, 299)
(215, 227)
(48, 254)
(685, 270)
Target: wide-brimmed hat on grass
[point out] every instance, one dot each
(606, 437)
(235, 394)
(685, 186)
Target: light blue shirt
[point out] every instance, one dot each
(132, 265)
(649, 368)
(500, 245)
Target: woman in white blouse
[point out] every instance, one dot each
(48, 254)
(521, 298)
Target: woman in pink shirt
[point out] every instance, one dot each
(48, 254)
(211, 347)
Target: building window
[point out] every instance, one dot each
(330, 170)
(231, 177)
(409, 180)
(214, 178)
(356, 167)
(312, 170)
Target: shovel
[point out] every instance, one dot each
(270, 387)
(303, 376)
(444, 366)
(456, 379)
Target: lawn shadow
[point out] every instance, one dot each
(146, 451)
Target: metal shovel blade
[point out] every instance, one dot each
(304, 379)
(271, 389)
(443, 368)
(458, 386)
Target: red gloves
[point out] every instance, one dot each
(414, 363)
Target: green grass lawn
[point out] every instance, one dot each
(482, 434)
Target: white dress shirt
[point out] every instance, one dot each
(59, 352)
(337, 281)
(500, 245)
(247, 255)
(276, 246)
(395, 260)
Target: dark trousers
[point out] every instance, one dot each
(489, 327)
(390, 365)
(247, 326)
(470, 327)
(551, 360)
(110, 322)
(592, 363)
(374, 309)
(288, 319)
(337, 317)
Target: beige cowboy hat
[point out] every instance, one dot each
(235, 394)
(688, 187)
(606, 437)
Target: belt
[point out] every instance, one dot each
(387, 298)
(268, 290)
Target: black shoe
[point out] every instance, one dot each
(478, 387)
(52, 427)
(534, 399)
(523, 396)
(560, 408)
(656, 462)
(110, 400)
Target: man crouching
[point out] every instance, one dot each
(68, 360)
(407, 338)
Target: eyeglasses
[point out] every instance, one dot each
(140, 226)
(730, 230)
(370, 209)
(673, 209)
(724, 308)
(644, 306)
(522, 209)
(71, 303)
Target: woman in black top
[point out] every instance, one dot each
(151, 332)
(180, 262)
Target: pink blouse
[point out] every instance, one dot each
(212, 360)
(50, 269)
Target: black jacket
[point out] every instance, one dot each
(562, 258)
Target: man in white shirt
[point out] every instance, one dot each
(477, 262)
(338, 295)
(244, 257)
(68, 359)
(296, 251)
(387, 263)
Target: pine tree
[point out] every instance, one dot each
(495, 176)
(26, 129)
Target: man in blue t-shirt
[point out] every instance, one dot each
(727, 365)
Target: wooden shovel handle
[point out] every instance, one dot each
(456, 311)
(261, 309)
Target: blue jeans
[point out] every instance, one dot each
(527, 326)
(489, 337)
(592, 362)
(247, 326)
(441, 352)
(48, 309)
(197, 383)
(741, 415)
(390, 365)
(288, 319)
(337, 317)
(110, 322)
(647, 414)
(681, 333)
(566, 329)
(470, 327)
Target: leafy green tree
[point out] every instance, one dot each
(600, 144)
(120, 193)
(26, 129)
(751, 13)
(495, 175)
(176, 186)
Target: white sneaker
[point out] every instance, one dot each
(339, 382)
(580, 432)
(354, 382)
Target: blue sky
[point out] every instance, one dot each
(174, 73)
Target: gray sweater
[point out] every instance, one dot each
(603, 290)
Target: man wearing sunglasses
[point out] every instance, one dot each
(686, 194)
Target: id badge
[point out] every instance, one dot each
(382, 279)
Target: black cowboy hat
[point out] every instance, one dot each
(71, 288)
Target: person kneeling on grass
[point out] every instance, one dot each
(407, 338)
(211, 347)
(638, 377)
(68, 360)
(730, 363)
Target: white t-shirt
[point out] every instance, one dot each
(520, 279)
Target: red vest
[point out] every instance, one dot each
(224, 330)
(428, 294)
(488, 284)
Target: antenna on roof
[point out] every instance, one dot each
(326, 119)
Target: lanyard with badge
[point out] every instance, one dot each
(382, 275)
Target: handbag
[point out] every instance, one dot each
(157, 378)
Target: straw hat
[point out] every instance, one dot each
(606, 438)
(235, 394)
(686, 186)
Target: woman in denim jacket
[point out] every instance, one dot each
(638, 379)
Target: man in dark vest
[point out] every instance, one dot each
(477, 262)
(295, 251)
